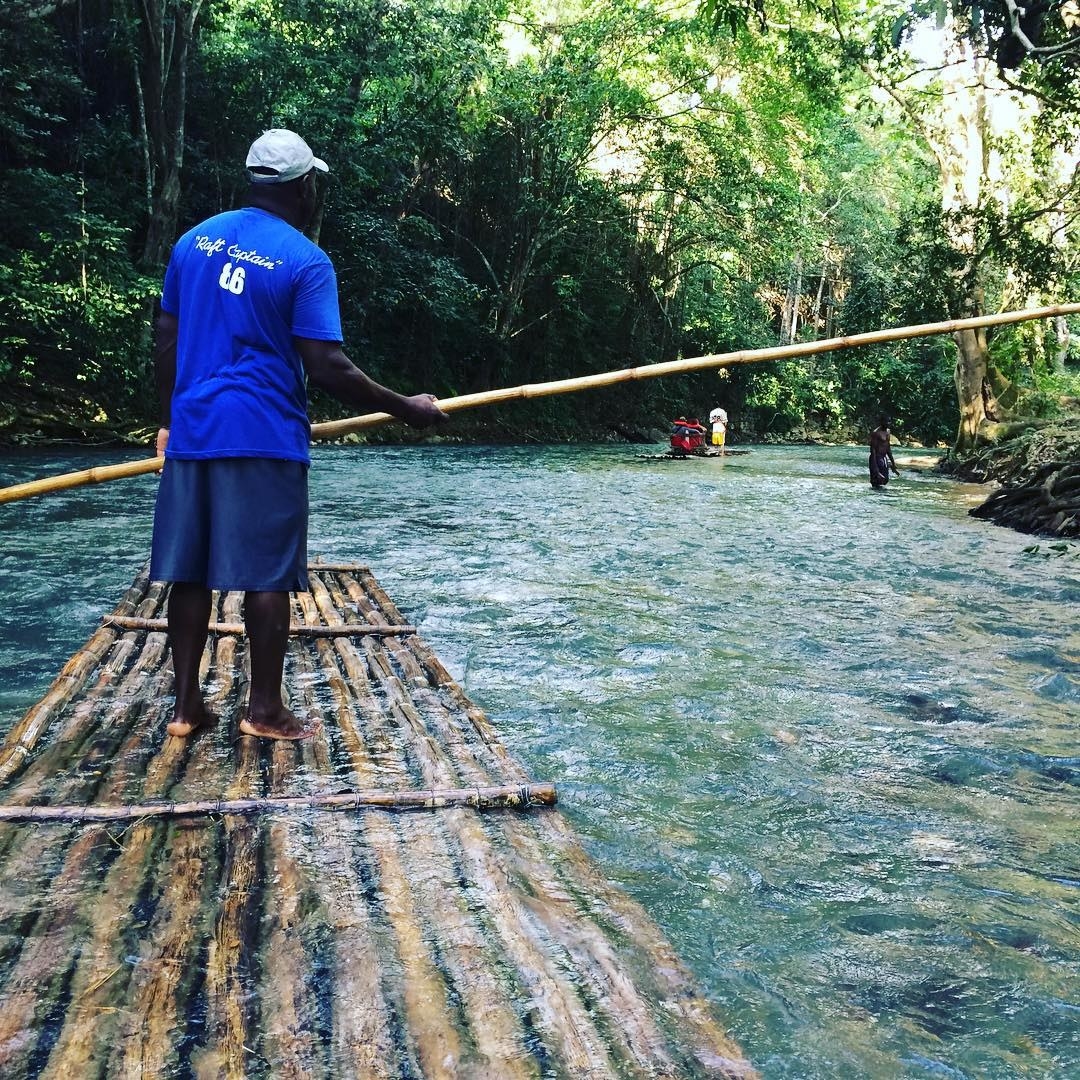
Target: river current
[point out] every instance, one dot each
(828, 737)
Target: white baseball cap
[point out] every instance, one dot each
(285, 153)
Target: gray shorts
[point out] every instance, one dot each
(232, 523)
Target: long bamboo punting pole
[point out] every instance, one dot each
(335, 429)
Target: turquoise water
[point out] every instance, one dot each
(827, 736)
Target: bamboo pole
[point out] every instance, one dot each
(45, 965)
(289, 1012)
(515, 797)
(231, 1011)
(106, 720)
(100, 988)
(335, 429)
(535, 840)
(631, 1023)
(401, 857)
(161, 985)
(425, 994)
(128, 622)
(551, 991)
(89, 733)
(419, 998)
(362, 1036)
(24, 736)
(560, 909)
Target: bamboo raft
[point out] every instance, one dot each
(215, 920)
(693, 455)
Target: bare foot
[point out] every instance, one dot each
(282, 725)
(183, 727)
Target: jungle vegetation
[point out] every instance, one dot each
(524, 191)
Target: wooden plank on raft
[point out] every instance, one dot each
(165, 927)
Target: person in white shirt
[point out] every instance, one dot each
(718, 419)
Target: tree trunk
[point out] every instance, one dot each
(166, 30)
(970, 377)
(1062, 339)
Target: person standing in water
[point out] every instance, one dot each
(881, 459)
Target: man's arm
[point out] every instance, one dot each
(331, 370)
(165, 332)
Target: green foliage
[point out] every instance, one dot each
(520, 194)
(72, 307)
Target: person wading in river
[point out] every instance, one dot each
(881, 459)
(249, 305)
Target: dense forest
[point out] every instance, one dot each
(522, 192)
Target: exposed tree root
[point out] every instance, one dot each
(1039, 470)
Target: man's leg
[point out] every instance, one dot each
(266, 619)
(189, 617)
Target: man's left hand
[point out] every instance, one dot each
(422, 411)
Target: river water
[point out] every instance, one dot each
(827, 736)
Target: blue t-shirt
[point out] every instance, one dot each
(243, 284)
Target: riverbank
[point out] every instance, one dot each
(1038, 472)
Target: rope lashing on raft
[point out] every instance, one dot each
(508, 797)
(129, 622)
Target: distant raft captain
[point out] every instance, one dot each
(248, 309)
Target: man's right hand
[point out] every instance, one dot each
(159, 446)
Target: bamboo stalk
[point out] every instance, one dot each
(46, 963)
(495, 1030)
(419, 996)
(362, 1036)
(100, 986)
(112, 938)
(24, 736)
(152, 1022)
(87, 1030)
(551, 992)
(92, 729)
(238, 628)
(288, 1003)
(631, 1023)
(712, 1047)
(679, 999)
(334, 429)
(28, 853)
(230, 1010)
(517, 797)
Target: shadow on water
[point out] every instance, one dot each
(826, 735)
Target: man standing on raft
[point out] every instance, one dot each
(881, 459)
(719, 421)
(249, 306)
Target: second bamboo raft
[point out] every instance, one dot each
(367, 943)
